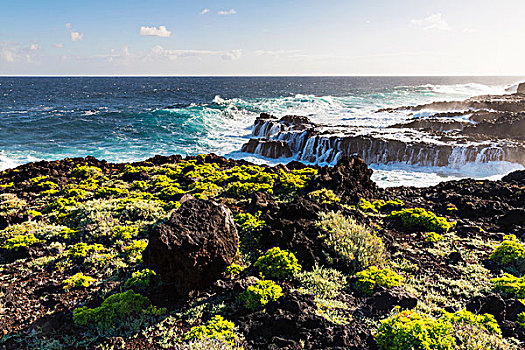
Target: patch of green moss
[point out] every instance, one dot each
(433, 237)
(108, 192)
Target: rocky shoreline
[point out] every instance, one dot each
(169, 252)
(480, 129)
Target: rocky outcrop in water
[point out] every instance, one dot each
(194, 247)
(491, 128)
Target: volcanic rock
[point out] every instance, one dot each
(350, 178)
(292, 319)
(268, 148)
(384, 300)
(192, 249)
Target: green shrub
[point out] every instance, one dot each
(352, 243)
(139, 185)
(296, 179)
(510, 286)
(388, 205)
(260, 294)
(124, 232)
(78, 280)
(133, 251)
(460, 330)
(521, 320)
(410, 330)
(167, 192)
(33, 213)
(249, 233)
(432, 237)
(216, 328)
(278, 264)
(61, 204)
(85, 172)
(141, 279)
(484, 321)
(114, 310)
(239, 190)
(11, 204)
(81, 250)
(234, 269)
(324, 196)
(510, 252)
(323, 282)
(107, 192)
(419, 218)
(366, 206)
(372, 276)
(47, 185)
(75, 193)
(19, 241)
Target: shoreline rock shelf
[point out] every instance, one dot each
(496, 132)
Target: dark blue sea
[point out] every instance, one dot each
(133, 118)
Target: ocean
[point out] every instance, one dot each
(123, 119)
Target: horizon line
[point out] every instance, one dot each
(247, 76)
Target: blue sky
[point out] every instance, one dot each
(242, 37)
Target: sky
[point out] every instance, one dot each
(270, 37)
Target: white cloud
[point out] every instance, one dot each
(158, 51)
(205, 11)
(58, 45)
(227, 12)
(232, 55)
(13, 52)
(469, 30)
(434, 21)
(161, 31)
(76, 36)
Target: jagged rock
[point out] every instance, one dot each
(268, 148)
(349, 178)
(292, 226)
(491, 304)
(292, 319)
(516, 176)
(384, 300)
(513, 307)
(192, 249)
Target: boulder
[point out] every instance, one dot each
(521, 89)
(491, 304)
(192, 249)
(384, 300)
(350, 178)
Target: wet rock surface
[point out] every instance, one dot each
(480, 129)
(194, 247)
